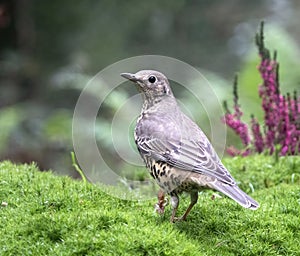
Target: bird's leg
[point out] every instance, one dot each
(174, 204)
(162, 202)
(194, 199)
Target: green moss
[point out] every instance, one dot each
(51, 215)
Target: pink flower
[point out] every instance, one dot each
(281, 113)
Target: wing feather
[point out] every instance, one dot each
(185, 154)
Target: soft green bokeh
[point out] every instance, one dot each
(49, 51)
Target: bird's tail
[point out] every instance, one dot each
(235, 193)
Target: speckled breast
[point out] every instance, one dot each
(171, 179)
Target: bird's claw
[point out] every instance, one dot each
(178, 219)
(160, 206)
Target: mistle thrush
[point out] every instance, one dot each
(176, 151)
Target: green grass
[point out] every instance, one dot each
(44, 214)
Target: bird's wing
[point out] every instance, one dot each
(189, 155)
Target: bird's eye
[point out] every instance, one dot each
(152, 79)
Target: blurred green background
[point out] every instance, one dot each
(50, 49)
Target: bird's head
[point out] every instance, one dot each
(152, 84)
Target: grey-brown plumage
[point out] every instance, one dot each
(176, 151)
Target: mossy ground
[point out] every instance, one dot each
(45, 214)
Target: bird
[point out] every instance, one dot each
(175, 150)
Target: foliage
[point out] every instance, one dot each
(49, 50)
(282, 113)
(43, 214)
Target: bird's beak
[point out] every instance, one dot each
(130, 77)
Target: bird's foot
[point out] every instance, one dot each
(177, 219)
